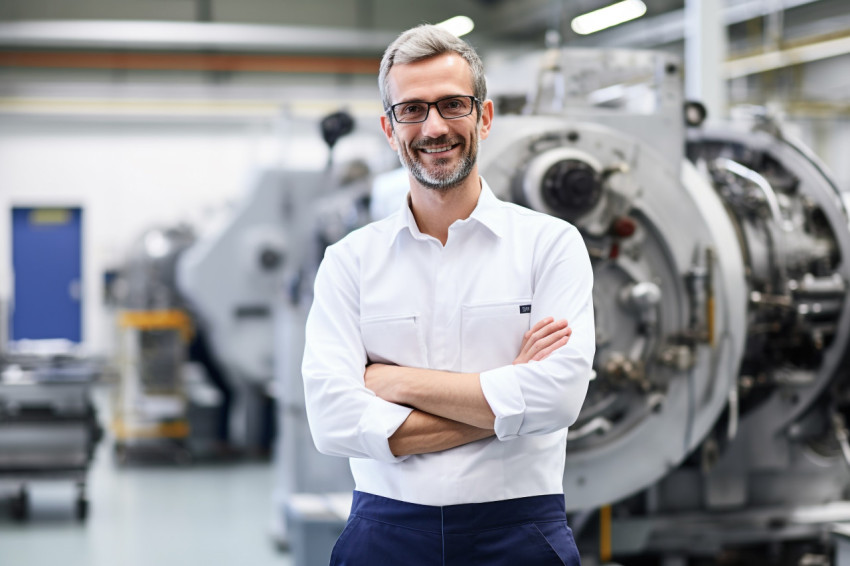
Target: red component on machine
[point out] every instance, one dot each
(623, 227)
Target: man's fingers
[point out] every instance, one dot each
(544, 353)
(550, 327)
(528, 335)
(544, 334)
(548, 330)
(540, 324)
(548, 340)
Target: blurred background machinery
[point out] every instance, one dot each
(150, 409)
(197, 345)
(716, 424)
(236, 276)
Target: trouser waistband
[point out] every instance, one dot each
(459, 518)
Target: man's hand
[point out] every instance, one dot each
(544, 338)
(385, 381)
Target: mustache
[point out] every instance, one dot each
(422, 143)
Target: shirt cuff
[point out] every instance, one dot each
(378, 423)
(503, 393)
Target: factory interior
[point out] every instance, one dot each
(171, 172)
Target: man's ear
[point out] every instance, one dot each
(387, 126)
(486, 119)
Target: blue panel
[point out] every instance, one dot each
(46, 256)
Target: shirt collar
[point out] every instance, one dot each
(485, 213)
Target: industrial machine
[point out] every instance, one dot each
(48, 425)
(250, 284)
(237, 275)
(150, 408)
(715, 427)
(312, 490)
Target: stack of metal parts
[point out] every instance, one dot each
(48, 425)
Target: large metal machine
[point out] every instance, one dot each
(715, 425)
(249, 283)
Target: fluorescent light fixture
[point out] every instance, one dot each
(609, 16)
(190, 36)
(458, 26)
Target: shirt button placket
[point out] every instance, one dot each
(442, 287)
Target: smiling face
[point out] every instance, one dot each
(440, 154)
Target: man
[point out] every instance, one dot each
(457, 443)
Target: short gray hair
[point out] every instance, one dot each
(423, 42)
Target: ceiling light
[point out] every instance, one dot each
(609, 16)
(458, 26)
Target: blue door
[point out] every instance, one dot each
(47, 258)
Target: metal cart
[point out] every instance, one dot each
(48, 425)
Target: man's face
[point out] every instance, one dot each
(440, 154)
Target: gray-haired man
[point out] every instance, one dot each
(457, 442)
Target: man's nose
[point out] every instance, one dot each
(434, 125)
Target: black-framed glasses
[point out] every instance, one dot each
(449, 108)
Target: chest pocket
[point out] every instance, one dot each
(394, 339)
(491, 333)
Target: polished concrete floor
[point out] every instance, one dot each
(167, 515)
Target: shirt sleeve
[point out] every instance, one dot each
(346, 419)
(546, 396)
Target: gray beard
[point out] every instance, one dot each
(445, 181)
(440, 183)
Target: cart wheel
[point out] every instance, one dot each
(82, 509)
(119, 449)
(21, 505)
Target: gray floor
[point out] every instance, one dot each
(149, 515)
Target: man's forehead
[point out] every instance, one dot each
(446, 70)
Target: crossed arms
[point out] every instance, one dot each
(388, 412)
(450, 408)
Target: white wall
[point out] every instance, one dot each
(131, 172)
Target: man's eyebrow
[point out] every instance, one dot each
(409, 100)
(435, 100)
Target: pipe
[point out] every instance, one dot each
(191, 62)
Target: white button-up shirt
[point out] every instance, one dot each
(391, 294)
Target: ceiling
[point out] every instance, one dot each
(362, 26)
(228, 38)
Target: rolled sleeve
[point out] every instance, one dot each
(379, 422)
(541, 397)
(346, 419)
(504, 394)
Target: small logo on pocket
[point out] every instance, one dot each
(524, 309)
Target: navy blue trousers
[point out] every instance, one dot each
(529, 531)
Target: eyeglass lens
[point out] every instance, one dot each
(454, 107)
